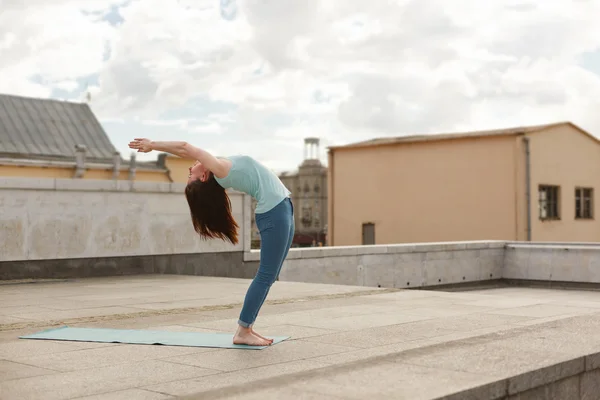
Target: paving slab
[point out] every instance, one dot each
(7, 319)
(544, 310)
(395, 381)
(346, 342)
(13, 370)
(197, 387)
(225, 360)
(491, 359)
(129, 394)
(104, 356)
(11, 348)
(97, 380)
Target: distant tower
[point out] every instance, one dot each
(309, 193)
(311, 148)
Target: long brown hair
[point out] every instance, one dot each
(210, 209)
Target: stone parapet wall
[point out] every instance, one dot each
(552, 262)
(48, 219)
(52, 228)
(398, 266)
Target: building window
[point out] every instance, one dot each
(583, 203)
(306, 216)
(368, 233)
(549, 202)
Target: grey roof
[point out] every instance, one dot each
(50, 129)
(462, 135)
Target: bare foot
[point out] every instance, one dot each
(260, 336)
(245, 336)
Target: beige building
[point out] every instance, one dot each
(47, 138)
(309, 195)
(531, 183)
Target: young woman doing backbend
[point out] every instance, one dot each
(210, 210)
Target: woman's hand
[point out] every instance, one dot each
(142, 145)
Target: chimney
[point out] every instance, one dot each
(162, 160)
(80, 153)
(116, 165)
(132, 167)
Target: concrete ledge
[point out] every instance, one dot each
(73, 165)
(342, 251)
(93, 185)
(414, 265)
(27, 183)
(394, 266)
(570, 379)
(553, 360)
(552, 262)
(448, 264)
(553, 375)
(220, 264)
(550, 244)
(86, 185)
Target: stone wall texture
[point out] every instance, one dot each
(69, 228)
(45, 219)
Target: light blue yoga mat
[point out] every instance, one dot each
(166, 338)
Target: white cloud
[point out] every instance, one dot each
(274, 72)
(190, 125)
(52, 42)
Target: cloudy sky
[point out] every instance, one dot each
(257, 76)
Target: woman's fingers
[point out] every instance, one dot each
(138, 144)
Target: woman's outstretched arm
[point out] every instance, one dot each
(184, 150)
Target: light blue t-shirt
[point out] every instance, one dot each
(249, 176)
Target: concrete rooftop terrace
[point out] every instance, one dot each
(347, 342)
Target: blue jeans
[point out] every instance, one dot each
(276, 228)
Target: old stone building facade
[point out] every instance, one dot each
(309, 194)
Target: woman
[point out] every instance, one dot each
(210, 209)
